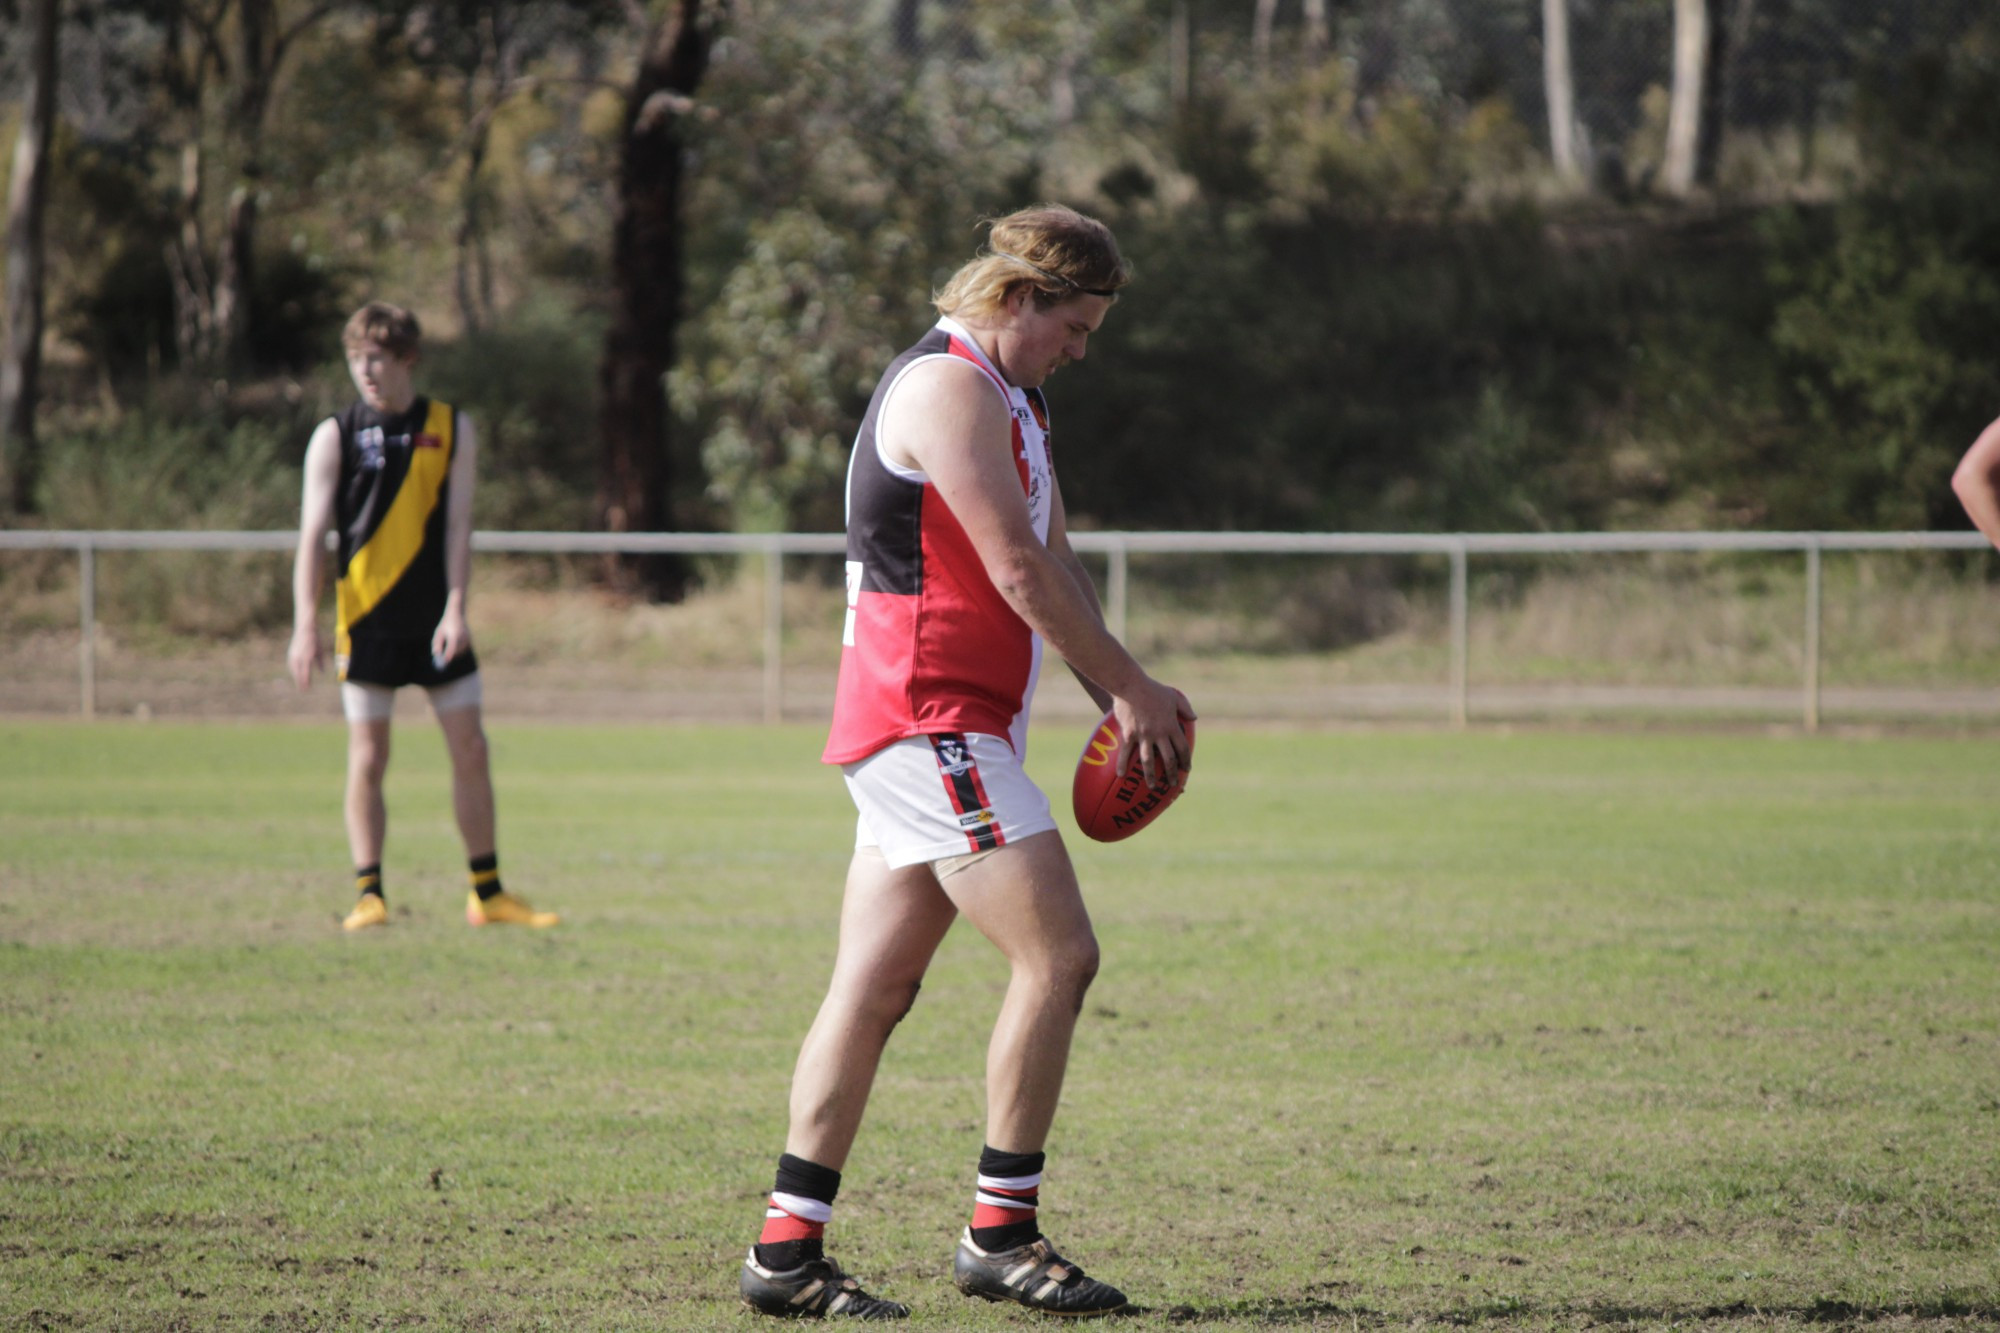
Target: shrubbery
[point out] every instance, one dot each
(1339, 322)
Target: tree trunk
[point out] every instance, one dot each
(259, 48)
(194, 294)
(1263, 21)
(1318, 32)
(471, 281)
(906, 27)
(235, 270)
(27, 205)
(1684, 116)
(1728, 33)
(1180, 55)
(635, 488)
(1559, 83)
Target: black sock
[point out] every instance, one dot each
(368, 879)
(485, 872)
(795, 1219)
(1003, 1207)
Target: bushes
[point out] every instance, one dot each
(1891, 305)
(151, 471)
(531, 390)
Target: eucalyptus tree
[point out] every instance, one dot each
(635, 486)
(494, 52)
(1559, 85)
(844, 173)
(218, 67)
(27, 203)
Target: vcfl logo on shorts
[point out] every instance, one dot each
(951, 756)
(968, 794)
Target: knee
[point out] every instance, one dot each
(898, 1000)
(885, 1005)
(469, 753)
(469, 749)
(1073, 969)
(367, 762)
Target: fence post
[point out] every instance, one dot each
(1119, 581)
(87, 616)
(774, 631)
(1459, 637)
(1814, 599)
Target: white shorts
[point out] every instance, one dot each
(365, 702)
(927, 798)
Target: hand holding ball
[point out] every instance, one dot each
(1113, 803)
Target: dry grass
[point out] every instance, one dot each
(1279, 638)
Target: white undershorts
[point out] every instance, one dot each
(363, 702)
(928, 798)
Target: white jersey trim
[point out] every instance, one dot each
(979, 359)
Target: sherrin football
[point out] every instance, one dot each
(1111, 804)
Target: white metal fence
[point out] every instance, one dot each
(1116, 547)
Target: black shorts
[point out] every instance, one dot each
(399, 662)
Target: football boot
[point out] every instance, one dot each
(816, 1289)
(370, 911)
(504, 909)
(1033, 1275)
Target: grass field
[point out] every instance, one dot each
(1538, 1030)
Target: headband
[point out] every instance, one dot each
(1056, 278)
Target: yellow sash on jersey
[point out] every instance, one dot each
(382, 560)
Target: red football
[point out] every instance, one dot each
(1110, 804)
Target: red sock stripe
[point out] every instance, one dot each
(780, 1225)
(986, 1214)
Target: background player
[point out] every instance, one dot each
(958, 568)
(1977, 483)
(393, 476)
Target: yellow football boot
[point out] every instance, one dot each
(504, 909)
(370, 911)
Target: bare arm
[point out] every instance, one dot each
(454, 635)
(1977, 482)
(1066, 554)
(322, 478)
(948, 422)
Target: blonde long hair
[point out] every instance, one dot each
(1054, 249)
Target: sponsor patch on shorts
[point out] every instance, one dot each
(930, 798)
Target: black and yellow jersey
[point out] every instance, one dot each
(389, 511)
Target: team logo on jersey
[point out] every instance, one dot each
(952, 758)
(370, 445)
(1032, 480)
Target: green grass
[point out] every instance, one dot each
(1524, 1030)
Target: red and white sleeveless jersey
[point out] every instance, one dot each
(930, 645)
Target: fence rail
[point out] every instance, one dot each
(1116, 547)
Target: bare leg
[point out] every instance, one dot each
(367, 817)
(891, 922)
(471, 779)
(1025, 899)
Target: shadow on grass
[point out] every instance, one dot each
(1308, 1313)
